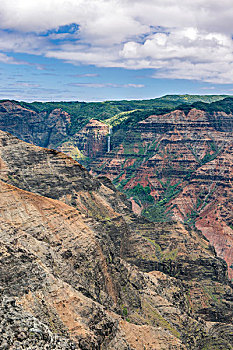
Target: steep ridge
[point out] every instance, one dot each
(46, 129)
(50, 124)
(79, 270)
(92, 140)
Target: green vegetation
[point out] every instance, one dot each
(169, 191)
(207, 158)
(157, 319)
(120, 117)
(203, 198)
(157, 213)
(224, 104)
(126, 113)
(194, 98)
(124, 311)
(160, 211)
(123, 116)
(140, 194)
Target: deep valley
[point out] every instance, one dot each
(135, 254)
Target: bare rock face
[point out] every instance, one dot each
(20, 330)
(79, 270)
(92, 140)
(44, 129)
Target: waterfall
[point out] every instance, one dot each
(109, 138)
(109, 143)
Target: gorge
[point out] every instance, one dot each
(79, 268)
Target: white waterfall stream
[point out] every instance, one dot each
(109, 138)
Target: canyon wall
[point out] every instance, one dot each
(46, 129)
(184, 164)
(79, 270)
(171, 166)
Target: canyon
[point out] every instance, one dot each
(79, 270)
(180, 167)
(134, 254)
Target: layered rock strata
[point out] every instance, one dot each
(184, 158)
(186, 163)
(46, 129)
(92, 140)
(84, 272)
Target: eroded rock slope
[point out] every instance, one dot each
(79, 270)
(174, 165)
(46, 129)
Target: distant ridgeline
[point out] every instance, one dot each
(113, 111)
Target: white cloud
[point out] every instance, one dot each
(27, 85)
(104, 85)
(85, 75)
(7, 59)
(11, 60)
(179, 39)
(208, 88)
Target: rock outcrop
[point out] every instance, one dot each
(79, 270)
(46, 129)
(92, 140)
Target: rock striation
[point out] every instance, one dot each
(79, 270)
(92, 140)
(183, 162)
(46, 129)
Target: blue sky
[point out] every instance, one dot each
(114, 49)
